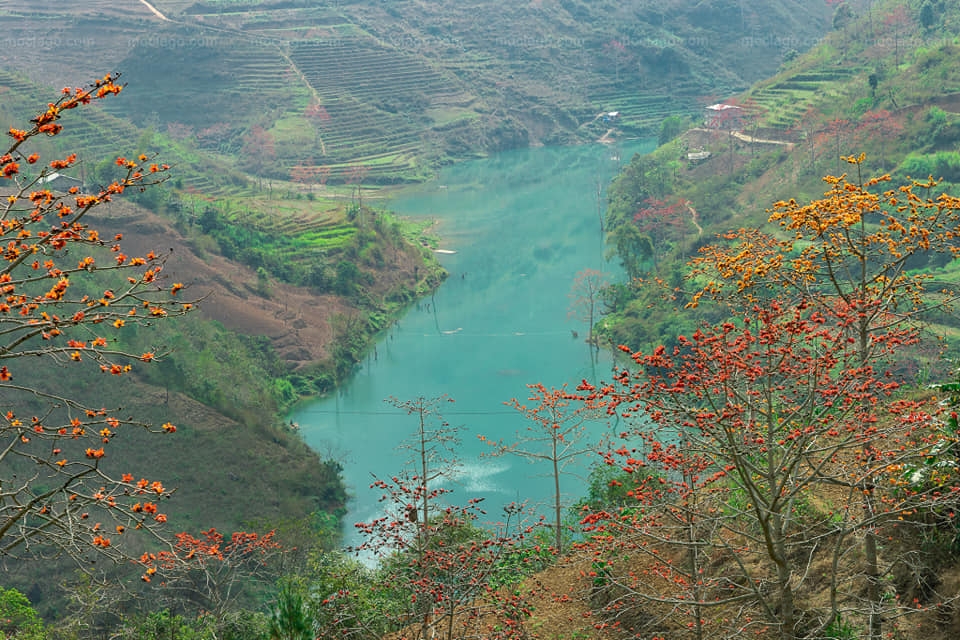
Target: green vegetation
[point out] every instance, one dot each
(292, 105)
(866, 88)
(17, 618)
(325, 239)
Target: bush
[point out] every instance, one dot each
(18, 620)
(942, 164)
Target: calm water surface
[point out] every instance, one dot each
(522, 224)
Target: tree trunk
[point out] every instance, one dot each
(556, 497)
(875, 618)
(788, 622)
(693, 556)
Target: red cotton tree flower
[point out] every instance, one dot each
(432, 551)
(63, 295)
(780, 440)
(211, 573)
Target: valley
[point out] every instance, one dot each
(405, 200)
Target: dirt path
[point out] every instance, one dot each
(154, 10)
(743, 137)
(306, 83)
(693, 217)
(595, 118)
(739, 135)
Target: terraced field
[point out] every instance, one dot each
(235, 77)
(400, 87)
(647, 112)
(786, 100)
(88, 8)
(310, 227)
(172, 7)
(99, 135)
(371, 102)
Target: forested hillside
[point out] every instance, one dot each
(883, 83)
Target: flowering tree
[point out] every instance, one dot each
(210, 574)
(215, 135)
(447, 572)
(65, 290)
(310, 174)
(557, 436)
(784, 423)
(857, 246)
(765, 431)
(897, 22)
(880, 126)
(317, 111)
(663, 222)
(259, 152)
(831, 138)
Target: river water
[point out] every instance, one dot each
(522, 224)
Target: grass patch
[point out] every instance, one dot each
(335, 238)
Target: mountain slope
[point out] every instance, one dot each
(882, 82)
(401, 87)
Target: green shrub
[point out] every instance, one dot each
(942, 164)
(840, 629)
(18, 620)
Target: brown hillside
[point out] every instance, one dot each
(296, 320)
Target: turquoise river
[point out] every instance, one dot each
(522, 225)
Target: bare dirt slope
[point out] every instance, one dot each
(296, 320)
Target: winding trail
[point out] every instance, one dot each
(740, 135)
(743, 137)
(283, 54)
(154, 11)
(605, 138)
(693, 217)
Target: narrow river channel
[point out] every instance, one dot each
(522, 225)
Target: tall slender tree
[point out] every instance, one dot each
(585, 295)
(448, 568)
(558, 435)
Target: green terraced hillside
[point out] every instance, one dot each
(400, 88)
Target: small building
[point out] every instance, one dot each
(60, 182)
(724, 116)
(611, 116)
(698, 156)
